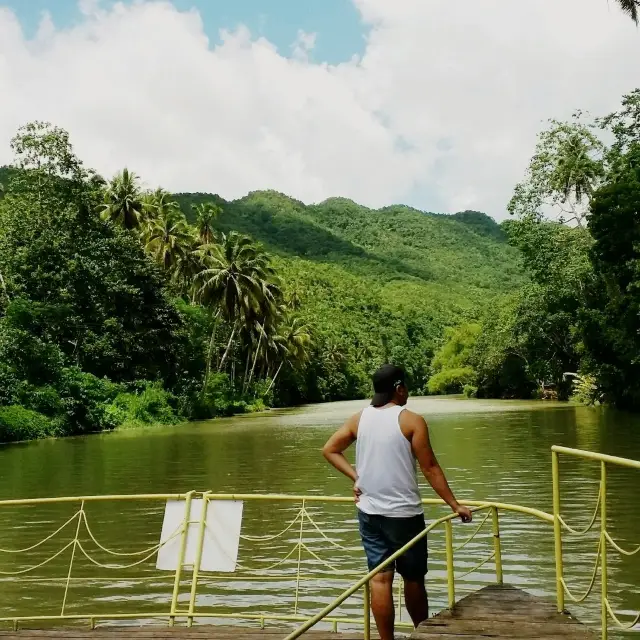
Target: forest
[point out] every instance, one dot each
(123, 306)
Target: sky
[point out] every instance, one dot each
(429, 103)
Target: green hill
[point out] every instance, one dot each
(375, 284)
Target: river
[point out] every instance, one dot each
(489, 450)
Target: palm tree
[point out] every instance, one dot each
(293, 345)
(631, 8)
(265, 325)
(206, 214)
(188, 265)
(237, 281)
(576, 170)
(167, 236)
(123, 200)
(149, 208)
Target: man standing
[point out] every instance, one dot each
(389, 439)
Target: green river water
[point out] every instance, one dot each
(489, 450)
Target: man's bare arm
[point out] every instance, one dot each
(338, 442)
(430, 466)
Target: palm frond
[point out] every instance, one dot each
(631, 8)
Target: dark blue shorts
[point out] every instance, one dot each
(383, 536)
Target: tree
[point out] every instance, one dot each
(90, 288)
(206, 215)
(238, 281)
(451, 364)
(292, 346)
(610, 322)
(566, 168)
(167, 234)
(631, 8)
(123, 200)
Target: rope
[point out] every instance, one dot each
(113, 566)
(37, 566)
(38, 544)
(591, 583)
(153, 551)
(476, 532)
(464, 575)
(117, 553)
(622, 625)
(277, 535)
(276, 564)
(575, 532)
(329, 540)
(618, 548)
(318, 558)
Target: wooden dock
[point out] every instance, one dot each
(202, 632)
(492, 612)
(502, 612)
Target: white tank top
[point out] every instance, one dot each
(386, 466)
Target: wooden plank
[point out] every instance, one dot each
(502, 612)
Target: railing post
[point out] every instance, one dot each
(603, 547)
(196, 567)
(557, 530)
(183, 549)
(300, 543)
(367, 611)
(451, 586)
(497, 548)
(73, 555)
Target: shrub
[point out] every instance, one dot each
(151, 405)
(85, 401)
(451, 380)
(586, 390)
(18, 423)
(45, 400)
(9, 385)
(470, 391)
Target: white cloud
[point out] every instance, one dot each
(440, 111)
(303, 45)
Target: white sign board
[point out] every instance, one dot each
(221, 538)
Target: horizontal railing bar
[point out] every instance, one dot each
(600, 457)
(67, 499)
(275, 497)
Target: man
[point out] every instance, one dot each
(389, 439)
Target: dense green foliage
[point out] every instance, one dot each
(371, 285)
(575, 326)
(120, 307)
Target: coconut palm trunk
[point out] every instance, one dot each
(228, 349)
(273, 381)
(255, 360)
(212, 344)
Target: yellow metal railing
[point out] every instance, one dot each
(303, 561)
(299, 555)
(604, 539)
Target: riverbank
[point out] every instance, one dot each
(126, 410)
